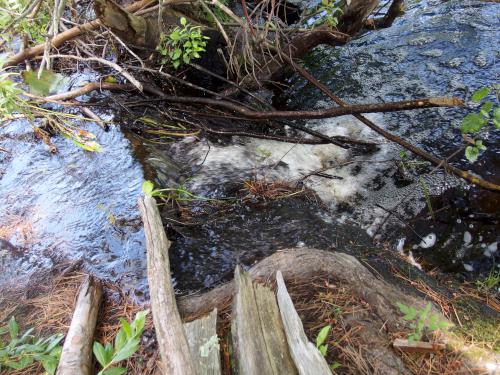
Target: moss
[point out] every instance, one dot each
(485, 331)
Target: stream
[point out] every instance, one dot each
(80, 205)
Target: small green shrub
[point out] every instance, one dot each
(21, 351)
(488, 112)
(125, 345)
(182, 45)
(332, 11)
(421, 321)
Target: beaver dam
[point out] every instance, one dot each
(249, 187)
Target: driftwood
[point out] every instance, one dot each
(172, 341)
(258, 337)
(199, 333)
(76, 356)
(307, 358)
(417, 346)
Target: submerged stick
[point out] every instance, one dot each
(76, 356)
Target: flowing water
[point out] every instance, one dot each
(78, 205)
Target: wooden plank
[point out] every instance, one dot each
(203, 344)
(257, 332)
(76, 356)
(172, 341)
(306, 356)
(417, 346)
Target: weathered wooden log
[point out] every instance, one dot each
(76, 356)
(172, 342)
(302, 264)
(306, 356)
(417, 346)
(257, 332)
(203, 344)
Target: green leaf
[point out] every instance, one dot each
(176, 64)
(335, 365)
(109, 351)
(127, 351)
(147, 189)
(13, 328)
(139, 322)
(125, 325)
(115, 371)
(174, 35)
(480, 94)
(100, 354)
(323, 349)
(91, 146)
(471, 153)
(50, 365)
(433, 323)
(176, 54)
(409, 312)
(320, 339)
(472, 123)
(479, 145)
(120, 340)
(486, 109)
(496, 117)
(183, 21)
(43, 86)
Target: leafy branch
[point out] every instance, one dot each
(125, 345)
(21, 351)
(488, 112)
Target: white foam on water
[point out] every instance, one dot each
(428, 241)
(467, 237)
(468, 267)
(288, 162)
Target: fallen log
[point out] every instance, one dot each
(172, 342)
(76, 356)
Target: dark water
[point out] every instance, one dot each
(79, 205)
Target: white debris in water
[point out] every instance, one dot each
(491, 249)
(400, 245)
(301, 244)
(459, 221)
(432, 53)
(413, 262)
(428, 241)
(468, 267)
(467, 237)
(374, 226)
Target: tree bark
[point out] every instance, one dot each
(355, 14)
(76, 356)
